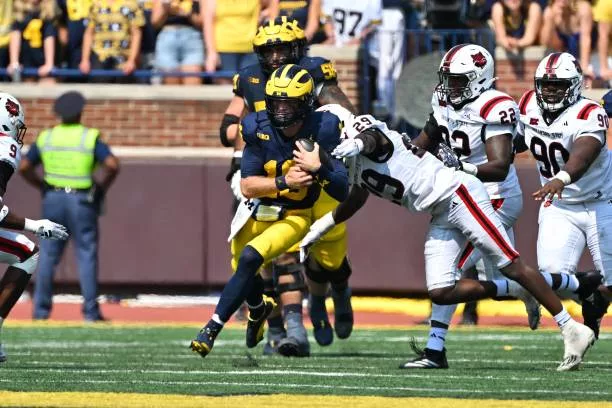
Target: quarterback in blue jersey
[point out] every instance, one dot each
(278, 42)
(282, 180)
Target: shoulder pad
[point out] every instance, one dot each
(524, 101)
(320, 69)
(496, 107)
(248, 128)
(587, 109)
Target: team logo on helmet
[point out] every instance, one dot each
(12, 108)
(479, 59)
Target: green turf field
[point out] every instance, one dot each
(485, 363)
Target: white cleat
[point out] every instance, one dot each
(532, 306)
(3, 356)
(577, 339)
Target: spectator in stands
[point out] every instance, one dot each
(6, 20)
(348, 22)
(73, 21)
(179, 44)
(229, 28)
(516, 23)
(307, 13)
(112, 38)
(32, 42)
(568, 26)
(69, 153)
(602, 13)
(149, 36)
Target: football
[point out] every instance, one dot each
(306, 144)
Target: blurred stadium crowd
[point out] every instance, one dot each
(208, 40)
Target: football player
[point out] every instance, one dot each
(479, 124)
(16, 249)
(280, 42)
(388, 165)
(285, 188)
(566, 134)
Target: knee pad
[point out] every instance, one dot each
(250, 260)
(28, 265)
(293, 269)
(341, 274)
(316, 272)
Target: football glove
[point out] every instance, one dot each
(46, 229)
(448, 156)
(348, 148)
(318, 228)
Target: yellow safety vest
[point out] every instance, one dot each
(67, 154)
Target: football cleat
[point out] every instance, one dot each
(588, 283)
(577, 339)
(323, 332)
(594, 310)
(296, 343)
(426, 358)
(204, 341)
(3, 356)
(532, 306)
(343, 313)
(275, 335)
(255, 327)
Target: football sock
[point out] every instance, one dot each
(561, 281)
(276, 322)
(437, 336)
(241, 284)
(317, 305)
(295, 309)
(562, 318)
(503, 287)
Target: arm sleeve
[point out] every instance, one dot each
(373, 143)
(334, 179)
(33, 155)
(101, 151)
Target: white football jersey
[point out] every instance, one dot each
(466, 130)
(10, 151)
(407, 176)
(351, 17)
(551, 145)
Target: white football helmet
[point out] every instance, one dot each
(466, 71)
(12, 119)
(558, 81)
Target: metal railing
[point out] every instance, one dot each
(100, 73)
(419, 42)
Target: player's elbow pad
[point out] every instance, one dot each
(432, 129)
(226, 122)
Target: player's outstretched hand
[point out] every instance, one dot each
(348, 148)
(318, 228)
(308, 161)
(297, 178)
(549, 190)
(48, 229)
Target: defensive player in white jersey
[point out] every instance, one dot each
(16, 249)
(479, 124)
(349, 21)
(387, 164)
(566, 134)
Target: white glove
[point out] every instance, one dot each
(318, 228)
(235, 186)
(348, 148)
(46, 229)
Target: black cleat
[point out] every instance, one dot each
(426, 358)
(343, 313)
(204, 341)
(589, 282)
(255, 327)
(594, 310)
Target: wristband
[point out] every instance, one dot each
(30, 225)
(237, 153)
(564, 177)
(469, 168)
(281, 183)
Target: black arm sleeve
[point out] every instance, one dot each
(6, 171)
(375, 144)
(433, 129)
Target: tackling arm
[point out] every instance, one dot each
(430, 137)
(332, 94)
